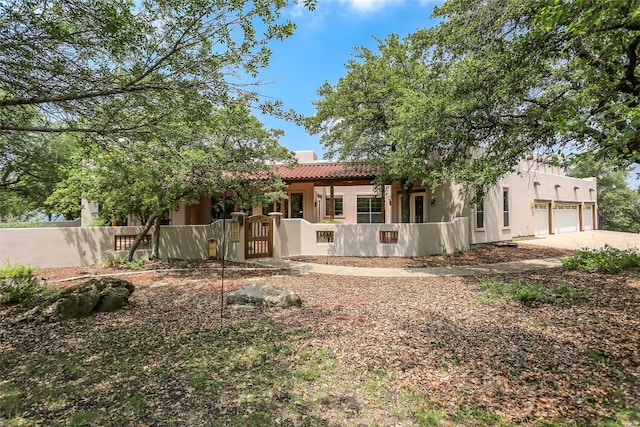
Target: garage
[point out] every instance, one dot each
(566, 218)
(541, 219)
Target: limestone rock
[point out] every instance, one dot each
(95, 295)
(263, 295)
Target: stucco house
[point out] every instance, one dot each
(333, 208)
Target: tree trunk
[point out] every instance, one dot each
(406, 201)
(155, 240)
(140, 236)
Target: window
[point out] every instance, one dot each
(369, 210)
(324, 236)
(505, 207)
(123, 243)
(337, 206)
(480, 214)
(388, 237)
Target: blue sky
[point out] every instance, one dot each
(325, 40)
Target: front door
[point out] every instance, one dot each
(418, 207)
(297, 205)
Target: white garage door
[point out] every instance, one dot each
(587, 218)
(541, 219)
(566, 219)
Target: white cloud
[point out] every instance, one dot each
(370, 5)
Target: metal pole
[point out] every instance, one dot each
(224, 243)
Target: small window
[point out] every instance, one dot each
(123, 243)
(388, 237)
(337, 206)
(505, 207)
(480, 214)
(324, 236)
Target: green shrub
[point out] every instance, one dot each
(529, 294)
(121, 262)
(604, 260)
(18, 284)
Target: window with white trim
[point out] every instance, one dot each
(369, 210)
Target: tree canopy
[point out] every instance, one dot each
(115, 72)
(493, 81)
(91, 66)
(383, 112)
(560, 76)
(618, 204)
(224, 150)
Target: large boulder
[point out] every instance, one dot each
(263, 295)
(94, 295)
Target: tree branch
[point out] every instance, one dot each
(80, 95)
(630, 71)
(4, 127)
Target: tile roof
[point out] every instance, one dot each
(326, 171)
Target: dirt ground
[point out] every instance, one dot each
(483, 254)
(572, 361)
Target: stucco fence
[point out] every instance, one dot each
(84, 246)
(382, 240)
(292, 237)
(80, 246)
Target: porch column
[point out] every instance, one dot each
(332, 203)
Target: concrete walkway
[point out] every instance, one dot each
(471, 270)
(587, 239)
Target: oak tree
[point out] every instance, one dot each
(383, 112)
(548, 75)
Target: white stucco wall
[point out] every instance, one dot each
(64, 247)
(349, 196)
(535, 182)
(298, 237)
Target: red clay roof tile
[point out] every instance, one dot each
(322, 171)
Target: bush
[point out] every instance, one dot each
(121, 262)
(18, 284)
(604, 260)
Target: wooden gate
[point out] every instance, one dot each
(258, 240)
